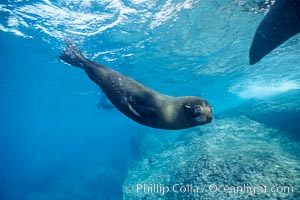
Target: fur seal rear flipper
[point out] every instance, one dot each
(138, 102)
(281, 23)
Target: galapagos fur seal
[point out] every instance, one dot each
(138, 102)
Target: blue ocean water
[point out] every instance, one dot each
(59, 136)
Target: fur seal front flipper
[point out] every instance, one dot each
(140, 103)
(281, 23)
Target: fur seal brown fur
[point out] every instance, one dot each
(140, 103)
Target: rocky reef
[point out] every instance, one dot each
(281, 111)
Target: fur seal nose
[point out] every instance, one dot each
(198, 109)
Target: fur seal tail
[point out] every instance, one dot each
(72, 56)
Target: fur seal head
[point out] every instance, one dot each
(195, 111)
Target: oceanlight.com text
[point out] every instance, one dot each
(162, 189)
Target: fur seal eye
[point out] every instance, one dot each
(186, 106)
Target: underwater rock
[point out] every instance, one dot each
(149, 141)
(232, 158)
(281, 111)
